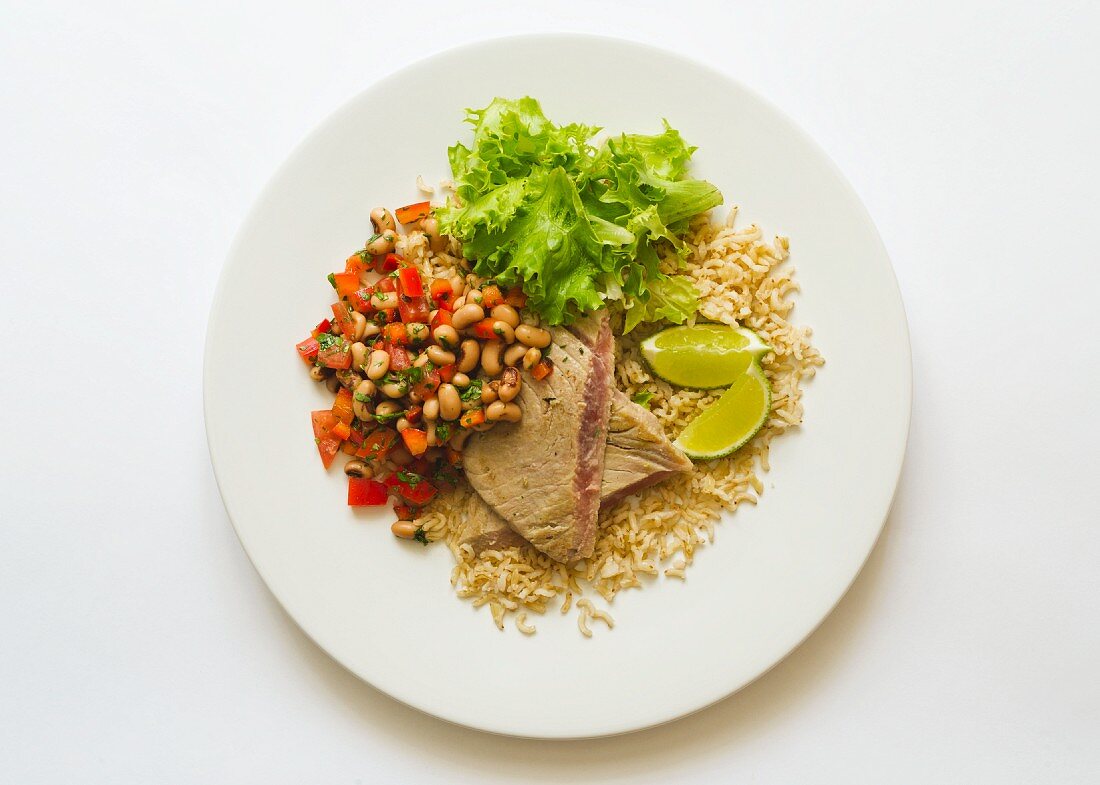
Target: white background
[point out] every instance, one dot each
(138, 645)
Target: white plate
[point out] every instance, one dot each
(384, 608)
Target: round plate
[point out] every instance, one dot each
(384, 608)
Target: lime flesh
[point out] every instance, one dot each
(731, 421)
(703, 356)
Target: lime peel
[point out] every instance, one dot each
(702, 356)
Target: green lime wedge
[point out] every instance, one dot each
(730, 422)
(704, 356)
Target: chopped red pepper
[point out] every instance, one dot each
(442, 294)
(343, 320)
(341, 431)
(447, 372)
(411, 213)
(345, 283)
(327, 443)
(388, 263)
(337, 355)
(377, 444)
(484, 329)
(415, 491)
(441, 317)
(323, 326)
(409, 283)
(356, 263)
(471, 418)
(543, 368)
(491, 297)
(342, 407)
(413, 414)
(363, 492)
(308, 349)
(404, 512)
(397, 334)
(414, 309)
(416, 441)
(360, 299)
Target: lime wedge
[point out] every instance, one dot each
(730, 422)
(703, 356)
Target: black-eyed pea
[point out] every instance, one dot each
(531, 358)
(467, 315)
(382, 243)
(382, 219)
(510, 384)
(431, 409)
(504, 332)
(450, 403)
(468, 355)
(513, 355)
(533, 336)
(440, 356)
(491, 358)
(358, 325)
(406, 530)
(378, 364)
(446, 336)
(489, 392)
(506, 313)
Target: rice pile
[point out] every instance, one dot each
(741, 280)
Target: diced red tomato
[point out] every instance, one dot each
(404, 512)
(322, 327)
(442, 294)
(484, 329)
(377, 444)
(515, 297)
(409, 283)
(399, 358)
(337, 356)
(413, 414)
(327, 443)
(543, 368)
(426, 387)
(491, 297)
(414, 309)
(417, 493)
(356, 263)
(363, 492)
(441, 317)
(447, 372)
(360, 299)
(471, 418)
(348, 448)
(346, 283)
(308, 349)
(343, 320)
(397, 334)
(342, 407)
(416, 440)
(388, 263)
(411, 213)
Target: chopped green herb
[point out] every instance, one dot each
(332, 280)
(385, 418)
(327, 340)
(373, 237)
(361, 397)
(412, 479)
(421, 536)
(473, 392)
(642, 398)
(442, 432)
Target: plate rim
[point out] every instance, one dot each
(345, 106)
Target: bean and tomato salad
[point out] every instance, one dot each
(417, 364)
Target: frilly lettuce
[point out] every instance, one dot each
(577, 225)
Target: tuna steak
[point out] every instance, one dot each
(543, 475)
(638, 455)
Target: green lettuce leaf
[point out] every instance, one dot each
(578, 226)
